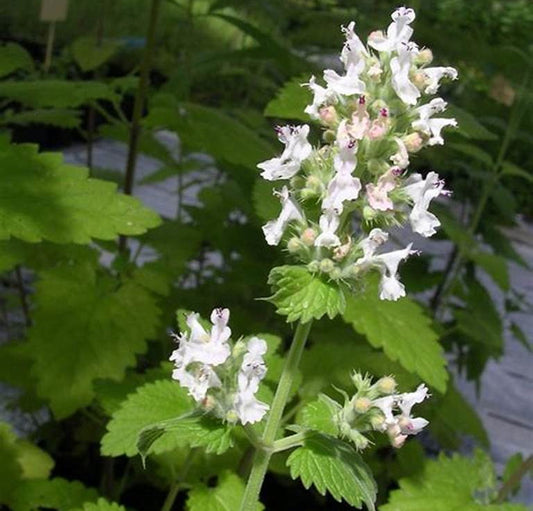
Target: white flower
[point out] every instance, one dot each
(376, 237)
(345, 159)
(390, 288)
(343, 187)
(398, 31)
(297, 149)
(386, 404)
(401, 157)
(354, 50)
(321, 96)
(348, 84)
(435, 74)
(412, 425)
(432, 127)
(198, 381)
(400, 66)
(422, 191)
(253, 370)
(329, 223)
(377, 195)
(290, 211)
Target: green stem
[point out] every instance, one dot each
(513, 481)
(180, 480)
(171, 497)
(289, 442)
(262, 456)
(138, 107)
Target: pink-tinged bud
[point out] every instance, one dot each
(377, 422)
(376, 35)
(208, 403)
(377, 130)
(398, 441)
(424, 57)
(328, 115)
(308, 237)
(341, 252)
(294, 245)
(394, 430)
(413, 142)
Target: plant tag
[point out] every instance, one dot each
(54, 10)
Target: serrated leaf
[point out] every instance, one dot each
(319, 415)
(101, 505)
(450, 484)
(402, 330)
(225, 496)
(14, 57)
(300, 295)
(89, 53)
(209, 130)
(150, 404)
(57, 493)
(61, 118)
(333, 466)
(43, 198)
(290, 101)
(55, 93)
(86, 326)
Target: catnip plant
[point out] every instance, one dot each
(338, 199)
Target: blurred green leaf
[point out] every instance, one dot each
(89, 53)
(14, 57)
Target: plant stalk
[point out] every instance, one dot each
(138, 107)
(515, 478)
(262, 456)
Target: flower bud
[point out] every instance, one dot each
(239, 348)
(308, 237)
(378, 105)
(339, 253)
(314, 183)
(328, 115)
(369, 214)
(377, 130)
(294, 245)
(308, 193)
(377, 422)
(335, 274)
(419, 79)
(386, 385)
(208, 403)
(313, 266)
(232, 417)
(424, 56)
(326, 265)
(362, 404)
(329, 136)
(413, 142)
(398, 441)
(360, 441)
(394, 430)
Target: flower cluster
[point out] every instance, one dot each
(374, 115)
(377, 407)
(223, 379)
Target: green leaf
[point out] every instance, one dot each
(468, 125)
(55, 93)
(451, 417)
(58, 117)
(57, 493)
(450, 484)
(43, 198)
(300, 295)
(89, 53)
(474, 152)
(150, 404)
(510, 169)
(290, 101)
(86, 326)
(335, 467)
(494, 265)
(225, 496)
(402, 330)
(209, 130)
(319, 415)
(101, 505)
(14, 57)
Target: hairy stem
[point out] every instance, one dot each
(140, 97)
(262, 456)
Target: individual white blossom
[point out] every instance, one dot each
(198, 380)
(408, 424)
(376, 237)
(431, 126)
(378, 195)
(343, 187)
(400, 66)
(321, 96)
(329, 223)
(347, 84)
(248, 408)
(353, 51)
(390, 288)
(435, 74)
(401, 157)
(290, 211)
(297, 149)
(345, 159)
(398, 31)
(422, 192)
